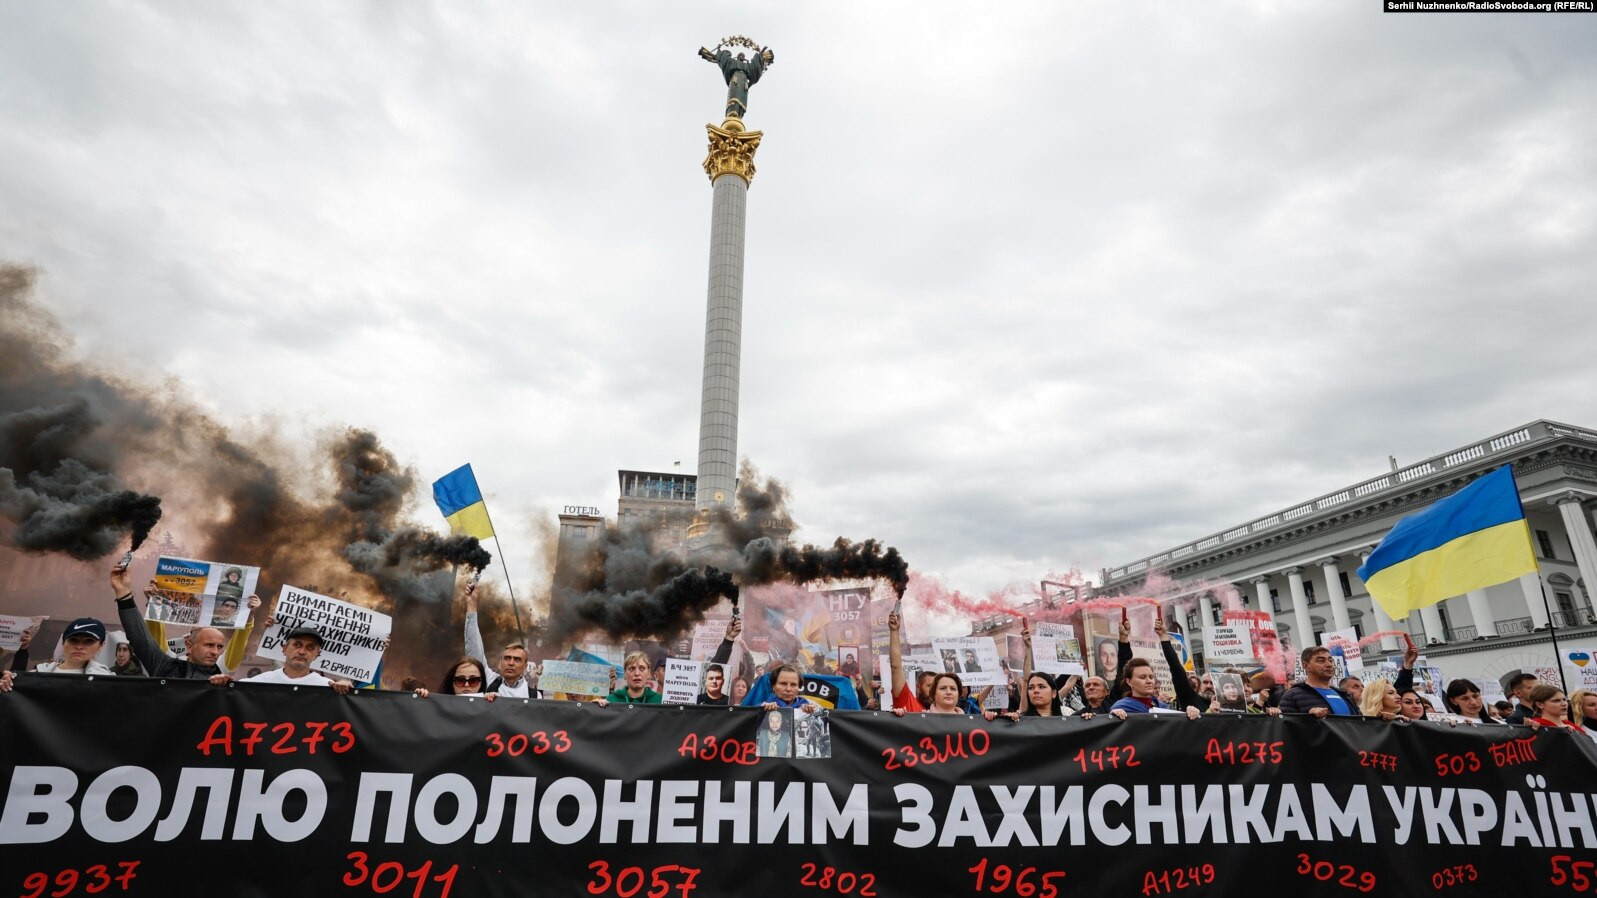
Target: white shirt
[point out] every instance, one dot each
(277, 676)
(517, 691)
(93, 667)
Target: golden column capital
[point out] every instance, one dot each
(731, 151)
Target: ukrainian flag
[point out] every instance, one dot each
(460, 500)
(1475, 538)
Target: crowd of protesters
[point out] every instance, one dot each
(212, 653)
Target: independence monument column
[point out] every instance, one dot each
(730, 165)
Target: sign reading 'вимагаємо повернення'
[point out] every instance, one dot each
(144, 788)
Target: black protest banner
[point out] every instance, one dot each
(140, 787)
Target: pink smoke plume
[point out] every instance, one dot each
(928, 596)
(1378, 636)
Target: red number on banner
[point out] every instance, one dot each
(631, 880)
(388, 875)
(1377, 760)
(1242, 753)
(519, 744)
(843, 882)
(1452, 876)
(1007, 879)
(1112, 758)
(1344, 875)
(1456, 765)
(92, 881)
(219, 737)
(1162, 882)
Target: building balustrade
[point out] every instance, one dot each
(1515, 626)
(1580, 617)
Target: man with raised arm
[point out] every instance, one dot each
(513, 681)
(205, 644)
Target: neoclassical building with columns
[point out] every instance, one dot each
(1299, 563)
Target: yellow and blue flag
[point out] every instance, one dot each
(1475, 538)
(460, 499)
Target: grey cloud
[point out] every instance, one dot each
(1041, 286)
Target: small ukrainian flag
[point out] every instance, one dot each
(1475, 538)
(460, 500)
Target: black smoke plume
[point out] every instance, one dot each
(764, 561)
(72, 437)
(373, 488)
(632, 586)
(56, 486)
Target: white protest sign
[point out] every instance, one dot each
(681, 681)
(1053, 630)
(1580, 666)
(353, 638)
(707, 636)
(201, 593)
(1056, 650)
(1347, 640)
(1227, 646)
(974, 658)
(575, 678)
(12, 627)
(1057, 656)
(915, 663)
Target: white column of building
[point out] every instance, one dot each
(1261, 594)
(1205, 613)
(1534, 600)
(1383, 621)
(1333, 588)
(1481, 610)
(1434, 631)
(1302, 628)
(1580, 538)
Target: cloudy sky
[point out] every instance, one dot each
(1029, 287)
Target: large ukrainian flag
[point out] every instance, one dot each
(1475, 538)
(460, 499)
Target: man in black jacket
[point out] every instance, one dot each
(1316, 696)
(1519, 686)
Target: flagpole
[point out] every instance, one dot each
(506, 568)
(1552, 630)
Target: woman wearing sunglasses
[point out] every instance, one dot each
(465, 677)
